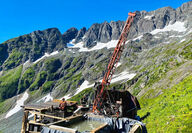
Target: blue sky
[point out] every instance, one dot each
(18, 17)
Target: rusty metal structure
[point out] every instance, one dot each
(101, 95)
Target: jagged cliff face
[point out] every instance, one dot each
(158, 52)
(144, 22)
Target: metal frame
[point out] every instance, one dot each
(113, 63)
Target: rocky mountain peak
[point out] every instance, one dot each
(185, 7)
(103, 32)
(184, 11)
(116, 29)
(70, 34)
(80, 34)
(144, 22)
(30, 47)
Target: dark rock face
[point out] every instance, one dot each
(184, 11)
(3, 53)
(117, 27)
(147, 37)
(104, 33)
(45, 41)
(70, 34)
(80, 34)
(163, 16)
(91, 35)
(31, 46)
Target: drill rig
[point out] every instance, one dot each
(105, 99)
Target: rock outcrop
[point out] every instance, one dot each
(144, 22)
(30, 47)
(70, 34)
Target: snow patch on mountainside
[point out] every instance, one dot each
(189, 32)
(18, 105)
(148, 17)
(123, 76)
(177, 26)
(118, 64)
(83, 86)
(99, 45)
(183, 40)
(26, 63)
(139, 37)
(46, 55)
(172, 36)
(72, 41)
(46, 98)
(79, 45)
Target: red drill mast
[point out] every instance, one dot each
(113, 62)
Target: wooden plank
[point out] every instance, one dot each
(99, 128)
(35, 108)
(36, 123)
(136, 129)
(33, 132)
(55, 122)
(24, 122)
(50, 116)
(55, 117)
(58, 101)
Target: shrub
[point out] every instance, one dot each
(26, 79)
(40, 79)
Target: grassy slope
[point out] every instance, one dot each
(6, 105)
(9, 80)
(14, 59)
(13, 77)
(171, 111)
(81, 94)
